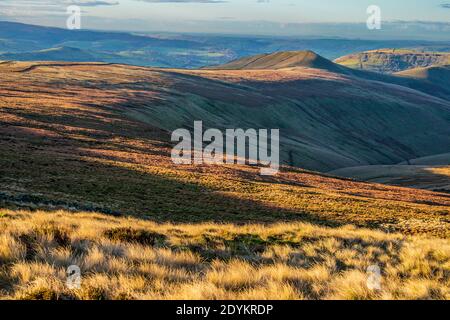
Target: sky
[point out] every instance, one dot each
(237, 16)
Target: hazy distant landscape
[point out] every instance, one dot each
(34, 43)
(87, 178)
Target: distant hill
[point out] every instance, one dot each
(433, 178)
(392, 60)
(53, 54)
(86, 177)
(279, 60)
(434, 74)
(435, 84)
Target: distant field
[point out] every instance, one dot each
(433, 75)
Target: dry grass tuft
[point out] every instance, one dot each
(143, 237)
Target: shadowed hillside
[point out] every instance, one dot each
(434, 178)
(133, 259)
(437, 159)
(434, 75)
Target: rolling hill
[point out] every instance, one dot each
(322, 111)
(393, 60)
(434, 160)
(53, 54)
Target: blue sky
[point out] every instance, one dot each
(223, 15)
(293, 11)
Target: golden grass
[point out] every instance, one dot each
(441, 170)
(125, 258)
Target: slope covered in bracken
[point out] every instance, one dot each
(279, 60)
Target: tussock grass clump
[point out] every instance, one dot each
(124, 258)
(55, 233)
(130, 235)
(11, 249)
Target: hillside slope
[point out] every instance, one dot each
(108, 149)
(434, 160)
(20, 40)
(328, 120)
(434, 178)
(393, 60)
(279, 60)
(432, 76)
